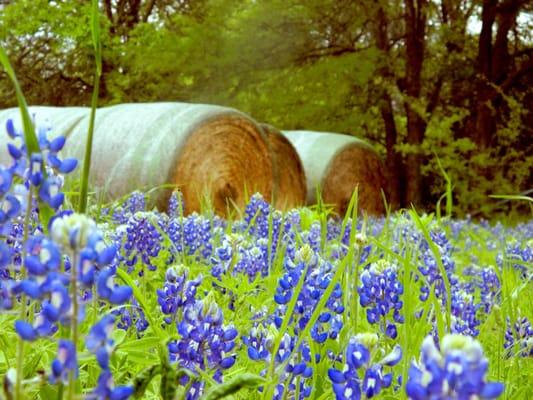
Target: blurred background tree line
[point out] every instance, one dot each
(448, 80)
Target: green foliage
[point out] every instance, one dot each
(476, 175)
(314, 65)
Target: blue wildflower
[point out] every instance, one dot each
(106, 390)
(205, 343)
(519, 338)
(65, 363)
(359, 375)
(176, 204)
(456, 371)
(177, 293)
(99, 342)
(107, 289)
(379, 292)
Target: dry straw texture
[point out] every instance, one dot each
(289, 188)
(204, 149)
(338, 164)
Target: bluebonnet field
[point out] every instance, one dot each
(126, 302)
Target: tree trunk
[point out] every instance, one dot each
(393, 161)
(415, 24)
(493, 64)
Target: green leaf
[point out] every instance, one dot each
(512, 197)
(241, 381)
(32, 144)
(169, 382)
(143, 379)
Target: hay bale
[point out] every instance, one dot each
(203, 149)
(289, 189)
(339, 163)
(62, 120)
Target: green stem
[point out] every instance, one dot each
(88, 147)
(73, 323)
(267, 393)
(22, 314)
(160, 333)
(60, 391)
(353, 291)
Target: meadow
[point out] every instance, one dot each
(117, 301)
(124, 301)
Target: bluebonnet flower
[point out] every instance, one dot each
(192, 235)
(456, 371)
(43, 256)
(223, 257)
(487, 281)
(256, 215)
(5, 259)
(6, 179)
(177, 293)
(239, 255)
(260, 340)
(6, 295)
(81, 240)
(360, 375)
(140, 240)
(50, 192)
(298, 367)
(72, 232)
(317, 279)
(10, 208)
(379, 292)
(313, 236)
(77, 236)
(120, 214)
(48, 153)
(265, 225)
(205, 343)
(43, 169)
(429, 268)
(176, 204)
(131, 316)
(101, 345)
(14, 238)
(99, 341)
(106, 390)
(519, 338)
(65, 363)
(55, 305)
(107, 289)
(519, 255)
(464, 311)
(40, 327)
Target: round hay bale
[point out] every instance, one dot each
(62, 120)
(338, 164)
(289, 189)
(205, 150)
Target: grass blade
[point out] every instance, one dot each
(95, 30)
(32, 144)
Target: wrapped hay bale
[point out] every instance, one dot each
(205, 150)
(61, 120)
(289, 188)
(338, 164)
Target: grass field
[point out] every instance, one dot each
(265, 305)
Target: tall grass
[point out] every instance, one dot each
(95, 33)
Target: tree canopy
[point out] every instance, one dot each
(427, 82)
